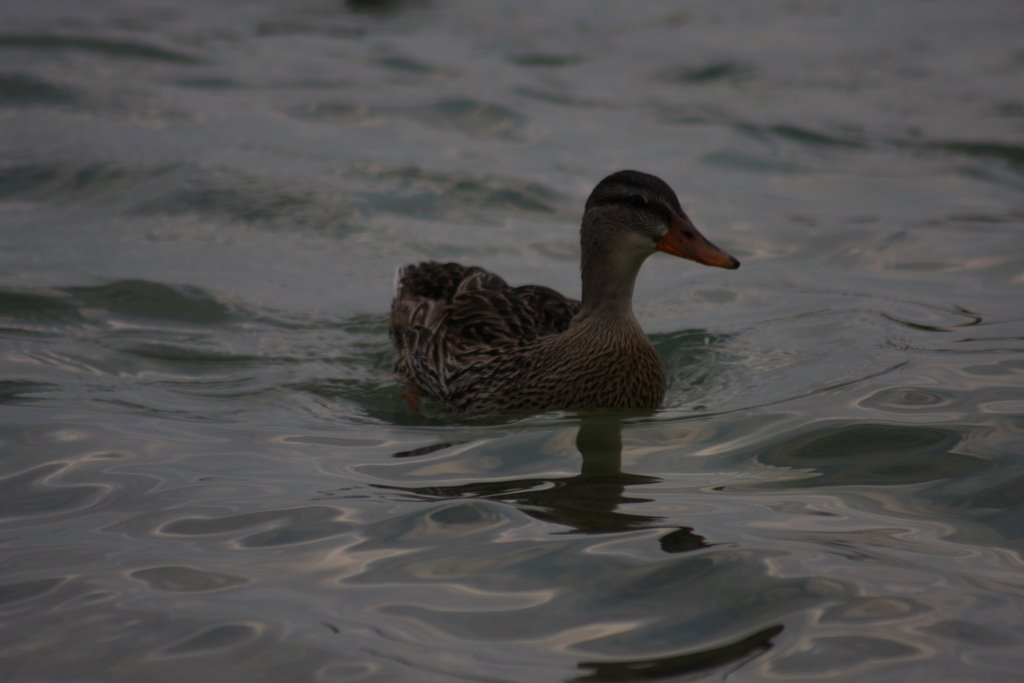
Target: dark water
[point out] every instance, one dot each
(206, 472)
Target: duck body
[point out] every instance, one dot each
(471, 342)
(480, 346)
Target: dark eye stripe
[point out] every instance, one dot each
(652, 207)
(635, 202)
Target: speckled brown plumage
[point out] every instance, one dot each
(468, 340)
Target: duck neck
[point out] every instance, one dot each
(608, 280)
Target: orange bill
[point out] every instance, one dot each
(684, 240)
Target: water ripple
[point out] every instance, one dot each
(38, 491)
(185, 579)
(24, 90)
(287, 527)
(101, 46)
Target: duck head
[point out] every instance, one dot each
(636, 214)
(629, 216)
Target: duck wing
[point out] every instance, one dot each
(446, 318)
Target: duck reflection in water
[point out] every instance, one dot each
(589, 502)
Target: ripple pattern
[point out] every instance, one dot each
(206, 468)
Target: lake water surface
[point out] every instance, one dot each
(206, 471)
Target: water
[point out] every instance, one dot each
(207, 471)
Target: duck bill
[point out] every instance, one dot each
(683, 239)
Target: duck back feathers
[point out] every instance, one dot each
(470, 341)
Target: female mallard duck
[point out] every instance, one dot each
(468, 340)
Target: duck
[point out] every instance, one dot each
(468, 341)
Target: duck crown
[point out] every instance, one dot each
(636, 191)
